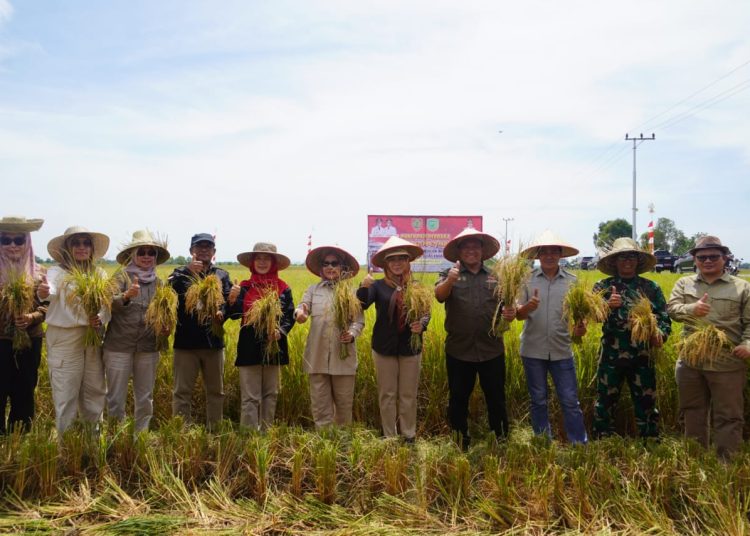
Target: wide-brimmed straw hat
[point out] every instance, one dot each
(19, 224)
(396, 246)
(490, 245)
(314, 260)
(710, 242)
(549, 239)
(246, 258)
(607, 263)
(140, 239)
(56, 246)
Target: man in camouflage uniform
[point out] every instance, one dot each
(620, 359)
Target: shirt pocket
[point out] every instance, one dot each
(726, 308)
(320, 304)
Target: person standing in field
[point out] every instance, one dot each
(397, 364)
(471, 350)
(129, 345)
(19, 367)
(197, 347)
(620, 359)
(330, 357)
(713, 386)
(545, 340)
(259, 367)
(76, 371)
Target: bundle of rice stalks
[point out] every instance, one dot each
(161, 315)
(642, 322)
(89, 290)
(512, 272)
(346, 307)
(583, 305)
(204, 299)
(16, 299)
(704, 344)
(264, 315)
(418, 303)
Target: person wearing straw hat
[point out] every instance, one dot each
(197, 348)
(259, 368)
(330, 357)
(545, 340)
(76, 371)
(713, 386)
(471, 350)
(396, 363)
(129, 345)
(620, 359)
(19, 366)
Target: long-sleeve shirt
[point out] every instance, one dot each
(60, 312)
(34, 329)
(729, 298)
(127, 330)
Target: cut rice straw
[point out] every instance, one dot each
(204, 299)
(161, 315)
(582, 305)
(705, 344)
(512, 273)
(346, 308)
(16, 299)
(418, 299)
(264, 315)
(643, 326)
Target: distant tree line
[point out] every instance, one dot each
(666, 235)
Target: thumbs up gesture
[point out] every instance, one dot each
(302, 313)
(133, 290)
(368, 280)
(533, 302)
(234, 293)
(454, 272)
(702, 307)
(615, 299)
(42, 290)
(195, 265)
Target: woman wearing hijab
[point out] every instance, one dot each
(259, 369)
(396, 363)
(19, 366)
(130, 345)
(76, 371)
(330, 357)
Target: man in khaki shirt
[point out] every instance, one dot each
(716, 385)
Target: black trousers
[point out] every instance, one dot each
(462, 376)
(18, 378)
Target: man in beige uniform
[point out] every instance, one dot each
(716, 386)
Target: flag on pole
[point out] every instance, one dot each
(507, 247)
(309, 243)
(651, 236)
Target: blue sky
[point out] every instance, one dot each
(268, 121)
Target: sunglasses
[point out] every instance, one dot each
(332, 264)
(627, 256)
(704, 258)
(146, 253)
(77, 243)
(17, 240)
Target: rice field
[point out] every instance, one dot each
(180, 479)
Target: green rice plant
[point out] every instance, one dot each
(582, 305)
(643, 326)
(161, 315)
(204, 299)
(395, 469)
(264, 315)
(346, 308)
(325, 471)
(16, 299)
(418, 299)
(703, 345)
(91, 290)
(512, 273)
(260, 456)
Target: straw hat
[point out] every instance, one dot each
(709, 242)
(490, 245)
(140, 239)
(314, 260)
(56, 246)
(246, 258)
(607, 263)
(549, 239)
(18, 224)
(396, 246)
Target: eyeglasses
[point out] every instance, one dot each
(332, 264)
(77, 243)
(627, 256)
(703, 258)
(146, 253)
(17, 240)
(203, 245)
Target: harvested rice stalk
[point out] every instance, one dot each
(346, 307)
(91, 290)
(704, 345)
(16, 299)
(418, 299)
(512, 273)
(642, 322)
(583, 305)
(161, 315)
(204, 299)
(265, 316)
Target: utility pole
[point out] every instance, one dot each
(635, 146)
(505, 245)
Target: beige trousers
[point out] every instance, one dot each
(186, 366)
(398, 380)
(331, 398)
(76, 376)
(119, 368)
(259, 390)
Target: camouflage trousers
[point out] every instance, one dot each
(641, 378)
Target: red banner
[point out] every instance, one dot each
(431, 233)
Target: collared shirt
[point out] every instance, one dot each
(469, 310)
(127, 330)
(730, 312)
(60, 312)
(545, 333)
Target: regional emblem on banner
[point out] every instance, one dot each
(416, 223)
(433, 224)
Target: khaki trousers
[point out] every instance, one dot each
(718, 395)
(331, 398)
(259, 390)
(398, 380)
(119, 368)
(186, 366)
(76, 376)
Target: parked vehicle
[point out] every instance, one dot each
(665, 260)
(685, 263)
(584, 265)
